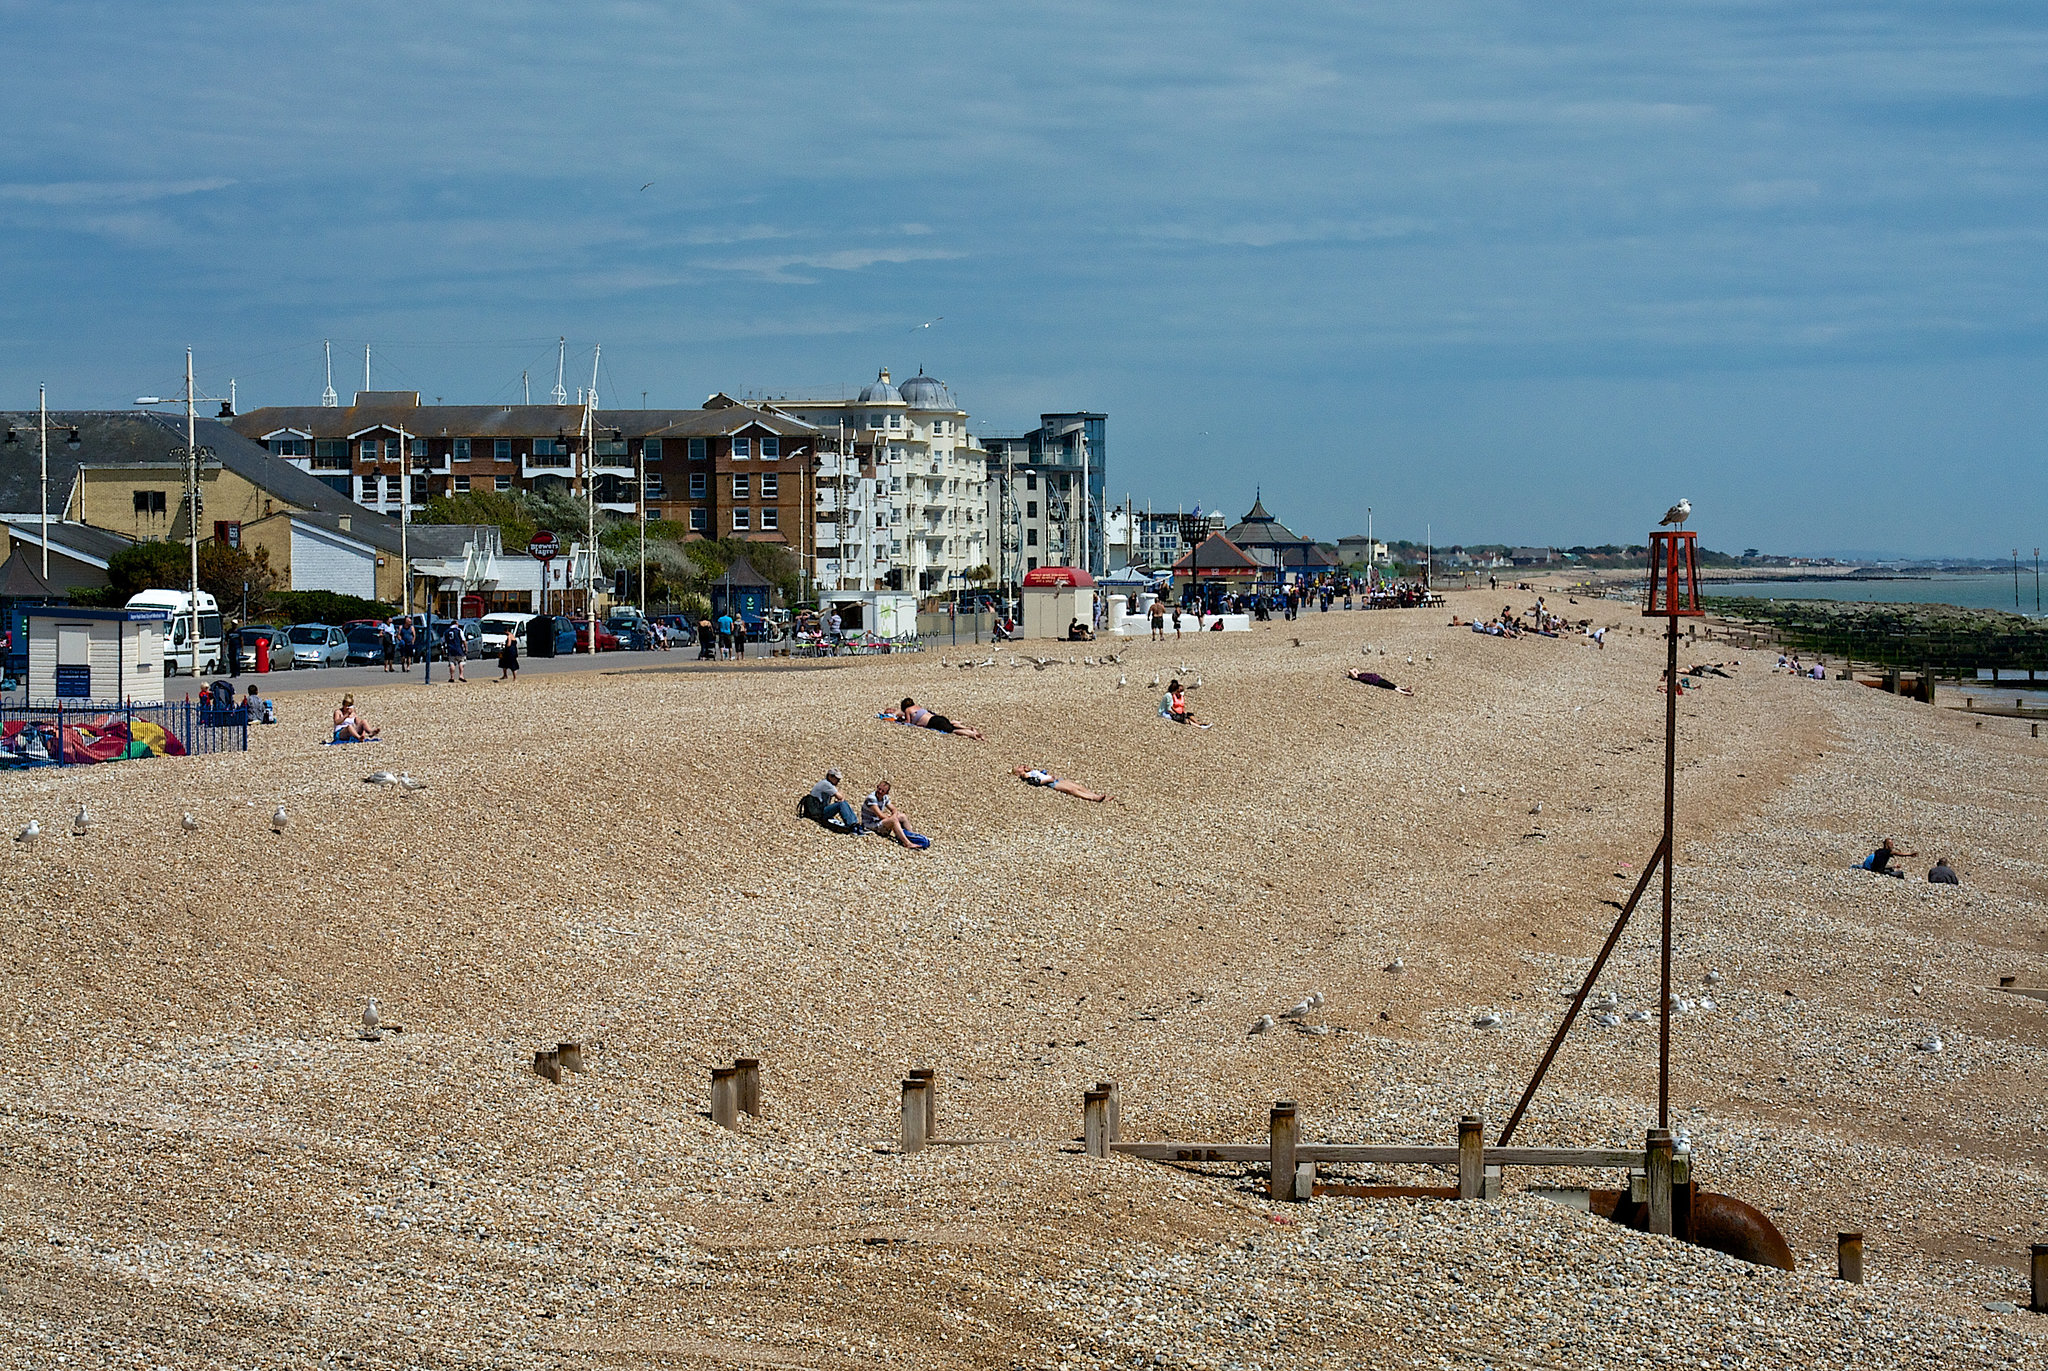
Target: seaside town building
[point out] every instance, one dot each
(904, 504)
(1047, 505)
(1285, 555)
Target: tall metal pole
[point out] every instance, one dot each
(1369, 546)
(404, 519)
(192, 502)
(1670, 859)
(2037, 583)
(590, 503)
(643, 521)
(43, 413)
(2015, 580)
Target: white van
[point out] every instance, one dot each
(178, 640)
(495, 626)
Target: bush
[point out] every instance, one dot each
(322, 607)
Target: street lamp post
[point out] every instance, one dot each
(192, 455)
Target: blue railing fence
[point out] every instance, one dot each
(197, 726)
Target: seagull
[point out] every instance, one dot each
(1262, 1024)
(370, 1016)
(189, 824)
(279, 820)
(1298, 1012)
(1315, 997)
(1155, 680)
(1606, 999)
(1706, 1002)
(1397, 966)
(1639, 1016)
(81, 823)
(1489, 1019)
(1933, 1044)
(1712, 978)
(1607, 1018)
(409, 783)
(1677, 514)
(30, 836)
(1536, 808)
(1197, 685)
(928, 323)
(380, 778)
(1411, 661)
(1121, 681)
(644, 187)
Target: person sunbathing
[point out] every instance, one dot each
(917, 716)
(1373, 678)
(348, 725)
(1039, 776)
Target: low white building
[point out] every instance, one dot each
(95, 656)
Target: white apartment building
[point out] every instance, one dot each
(915, 514)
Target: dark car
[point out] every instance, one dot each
(365, 645)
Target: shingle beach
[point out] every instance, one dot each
(204, 1164)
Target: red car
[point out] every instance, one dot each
(607, 641)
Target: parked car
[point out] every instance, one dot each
(281, 650)
(492, 628)
(318, 645)
(607, 641)
(365, 644)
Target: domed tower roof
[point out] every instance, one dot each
(927, 392)
(881, 392)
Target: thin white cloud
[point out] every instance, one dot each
(785, 268)
(83, 193)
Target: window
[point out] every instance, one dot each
(1033, 565)
(771, 448)
(697, 449)
(651, 449)
(1031, 509)
(462, 449)
(501, 482)
(740, 486)
(896, 422)
(369, 489)
(150, 502)
(419, 447)
(697, 485)
(1030, 480)
(289, 447)
(698, 518)
(654, 491)
(771, 517)
(769, 486)
(501, 451)
(741, 449)
(1031, 537)
(391, 487)
(461, 485)
(741, 520)
(549, 447)
(370, 449)
(330, 447)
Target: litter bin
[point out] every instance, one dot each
(540, 635)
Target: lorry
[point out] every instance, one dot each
(178, 638)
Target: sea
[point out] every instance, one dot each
(1970, 592)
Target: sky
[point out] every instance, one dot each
(1498, 272)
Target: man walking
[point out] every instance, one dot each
(405, 645)
(457, 648)
(1158, 620)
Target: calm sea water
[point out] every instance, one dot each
(1971, 592)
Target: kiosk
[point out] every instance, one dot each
(95, 656)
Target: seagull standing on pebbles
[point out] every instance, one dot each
(409, 783)
(371, 1019)
(1607, 1018)
(1298, 1012)
(189, 824)
(279, 820)
(1639, 1016)
(81, 823)
(30, 836)
(1397, 966)
(1490, 1018)
(1262, 1024)
(380, 778)
(1933, 1044)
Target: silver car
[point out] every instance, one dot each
(318, 645)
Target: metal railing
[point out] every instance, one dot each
(77, 733)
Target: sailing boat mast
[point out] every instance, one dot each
(561, 392)
(328, 399)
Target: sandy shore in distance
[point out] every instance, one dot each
(201, 1165)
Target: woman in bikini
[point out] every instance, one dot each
(1373, 678)
(917, 716)
(1039, 776)
(348, 725)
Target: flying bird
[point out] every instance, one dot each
(30, 836)
(929, 322)
(648, 184)
(1677, 514)
(279, 820)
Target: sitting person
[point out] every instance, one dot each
(1373, 678)
(1175, 706)
(1078, 632)
(878, 814)
(1943, 873)
(348, 725)
(824, 805)
(917, 716)
(1880, 861)
(258, 709)
(1039, 776)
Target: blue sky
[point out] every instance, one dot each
(1515, 272)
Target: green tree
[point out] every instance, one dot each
(148, 566)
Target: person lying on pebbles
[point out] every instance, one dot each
(1039, 776)
(1373, 678)
(917, 716)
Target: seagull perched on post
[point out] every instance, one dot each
(1677, 514)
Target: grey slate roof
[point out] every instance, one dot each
(96, 543)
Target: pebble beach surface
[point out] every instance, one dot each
(204, 1164)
